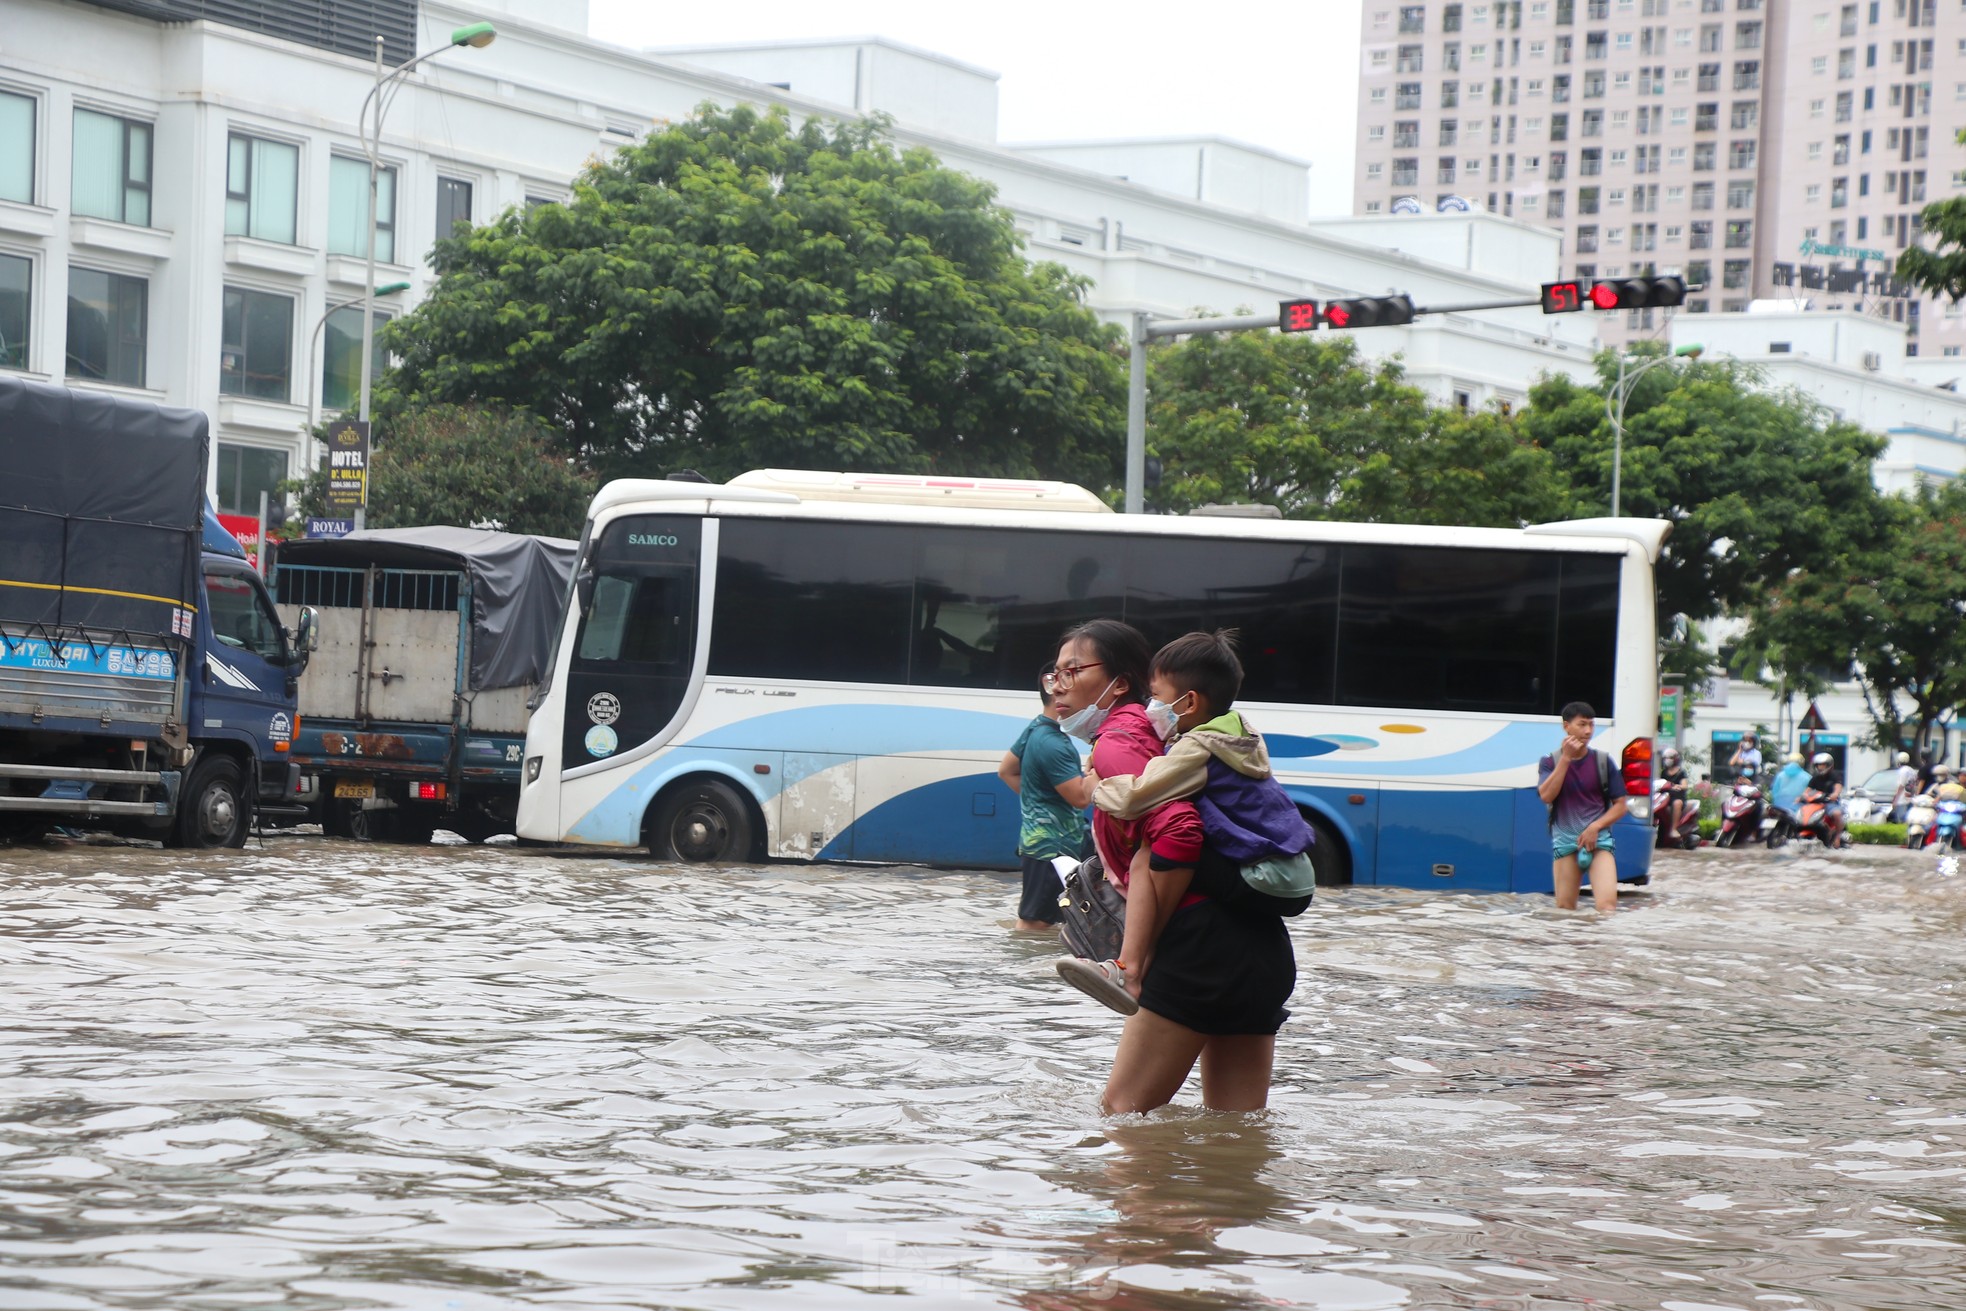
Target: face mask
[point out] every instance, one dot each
(1166, 719)
(1082, 724)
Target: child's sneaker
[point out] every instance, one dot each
(1102, 980)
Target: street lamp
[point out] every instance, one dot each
(477, 36)
(1614, 409)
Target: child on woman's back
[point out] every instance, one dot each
(1256, 849)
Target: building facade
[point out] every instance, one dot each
(1758, 149)
(183, 200)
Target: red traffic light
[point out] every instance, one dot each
(1605, 296)
(1370, 312)
(1338, 315)
(1297, 315)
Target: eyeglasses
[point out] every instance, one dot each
(1060, 679)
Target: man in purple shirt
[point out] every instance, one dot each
(1585, 799)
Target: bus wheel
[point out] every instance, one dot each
(212, 809)
(1329, 859)
(701, 821)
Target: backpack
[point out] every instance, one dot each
(1604, 772)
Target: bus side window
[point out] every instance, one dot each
(634, 619)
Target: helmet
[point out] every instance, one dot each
(1821, 760)
(1747, 737)
(1942, 770)
(1671, 755)
(1904, 758)
(1794, 757)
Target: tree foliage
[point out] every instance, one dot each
(737, 292)
(1897, 611)
(465, 465)
(1303, 423)
(1756, 484)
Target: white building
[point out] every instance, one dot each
(182, 203)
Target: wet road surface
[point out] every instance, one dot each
(317, 1074)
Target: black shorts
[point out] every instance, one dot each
(1042, 888)
(1221, 971)
(1219, 878)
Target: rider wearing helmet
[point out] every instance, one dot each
(1944, 786)
(1907, 787)
(1823, 779)
(1747, 756)
(1672, 772)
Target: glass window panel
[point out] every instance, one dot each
(1281, 597)
(136, 190)
(16, 148)
(246, 471)
(106, 326)
(1587, 631)
(238, 175)
(97, 186)
(275, 191)
(453, 204)
(14, 277)
(822, 601)
(341, 371)
(1448, 630)
(257, 349)
(239, 615)
(348, 228)
(990, 606)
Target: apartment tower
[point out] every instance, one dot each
(1777, 149)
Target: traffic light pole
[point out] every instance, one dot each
(1145, 329)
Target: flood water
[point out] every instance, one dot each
(317, 1074)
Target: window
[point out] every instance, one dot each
(1819, 65)
(15, 274)
(341, 369)
(453, 205)
(1813, 193)
(240, 615)
(262, 181)
(1740, 195)
(1405, 96)
(1740, 233)
(112, 168)
(243, 473)
(16, 148)
(1377, 132)
(1376, 95)
(1740, 154)
(256, 351)
(107, 326)
(348, 225)
(1473, 630)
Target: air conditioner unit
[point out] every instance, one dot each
(1873, 361)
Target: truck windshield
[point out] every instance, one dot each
(241, 616)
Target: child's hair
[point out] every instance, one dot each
(1121, 649)
(1203, 663)
(1577, 710)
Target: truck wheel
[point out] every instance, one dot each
(704, 821)
(212, 811)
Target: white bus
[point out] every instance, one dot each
(824, 666)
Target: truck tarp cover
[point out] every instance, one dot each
(518, 585)
(102, 505)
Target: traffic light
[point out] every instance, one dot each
(1613, 294)
(1369, 312)
(1297, 315)
(1638, 293)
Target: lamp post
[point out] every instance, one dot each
(1614, 410)
(477, 36)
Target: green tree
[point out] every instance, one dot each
(737, 292)
(1940, 270)
(464, 465)
(1756, 484)
(1303, 423)
(1896, 612)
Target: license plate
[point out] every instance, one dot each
(353, 788)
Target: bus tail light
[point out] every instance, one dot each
(1638, 767)
(427, 791)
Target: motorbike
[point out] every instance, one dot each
(1919, 820)
(1947, 833)
(1686, 836)
(1812, 821)
(1741, 815)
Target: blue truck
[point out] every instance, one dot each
(432, 639)
(147, 684)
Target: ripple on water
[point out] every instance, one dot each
(327, 1075)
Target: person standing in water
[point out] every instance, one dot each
(1582, 789)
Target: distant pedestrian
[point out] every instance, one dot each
(1586, 797)
(1907, 788)
(1042, 767)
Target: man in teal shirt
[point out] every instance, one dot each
(1042, 767)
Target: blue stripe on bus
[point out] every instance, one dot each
(938, 824)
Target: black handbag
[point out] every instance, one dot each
(1095, 913)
